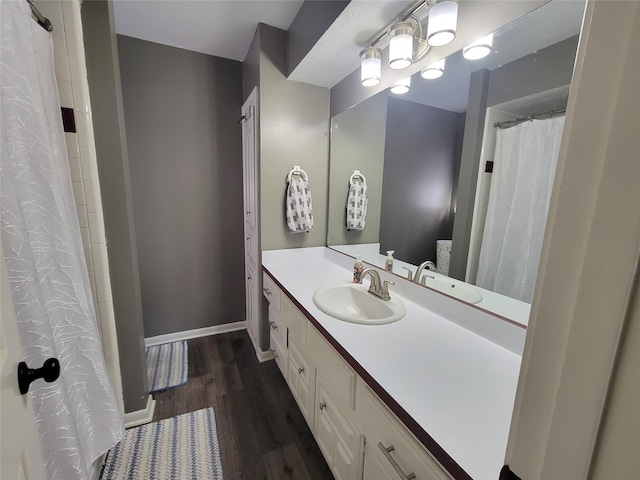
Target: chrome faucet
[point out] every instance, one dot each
(418, 276)
(378, 288)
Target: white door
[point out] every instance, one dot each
(251, 217)
(20, 455)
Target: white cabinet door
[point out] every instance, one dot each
(301, 380)
(251, 230)
(338, 439)
(20, 457)
(252, 304)
(250, 162)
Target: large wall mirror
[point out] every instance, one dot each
(471, 128)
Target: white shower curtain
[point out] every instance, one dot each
(524, 167)
(77, 415)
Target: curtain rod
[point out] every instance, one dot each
(535, 116)
(43, 21)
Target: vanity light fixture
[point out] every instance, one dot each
(401, 86)
(404, 33)
(443, 20)
(401, 45)
(478, 49)
(433, 71)
(371, 66)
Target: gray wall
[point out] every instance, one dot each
(357, 143)
(108, 122)
(251, 67)
(468, 178)
(422, 155)
(294, 130)
(544, 70)
(184, 142)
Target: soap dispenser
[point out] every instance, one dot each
(357, 270)
(388, 264)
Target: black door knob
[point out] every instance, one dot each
(50, 371)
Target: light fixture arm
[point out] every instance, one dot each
(419, 55)
(403, 17)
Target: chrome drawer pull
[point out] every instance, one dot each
(266, 291)
(273, 324)
(275, 355)
(387, 453)
(301, 370)
(322, 405)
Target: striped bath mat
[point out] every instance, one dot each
(182, 447)
(167, 365)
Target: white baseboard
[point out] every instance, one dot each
(195, 333)
(140, 417)
(264, 356)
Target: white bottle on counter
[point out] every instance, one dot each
(388, 264)
(357, 270)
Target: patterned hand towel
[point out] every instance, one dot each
(299, 211)
(357, 204)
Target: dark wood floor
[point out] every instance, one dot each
(262, 432)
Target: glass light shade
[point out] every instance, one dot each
(433, 71)
(370, 67)
(443, 20)
(401, 86)
(478, 49)
(401, 45)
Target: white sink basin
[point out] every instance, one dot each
(455, 288)
(350, 302)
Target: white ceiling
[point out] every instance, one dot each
(221, 28)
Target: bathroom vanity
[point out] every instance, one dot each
(429, 396)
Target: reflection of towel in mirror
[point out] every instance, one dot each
(357, 204)
(299, 211)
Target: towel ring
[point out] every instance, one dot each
(296, 170)
(356, 174)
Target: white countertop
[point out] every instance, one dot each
(457, 385)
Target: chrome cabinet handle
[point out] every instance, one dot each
(275, 354)
(322, 405)
(301, 370)
(273, 324)
(387, 453)
(266, 291)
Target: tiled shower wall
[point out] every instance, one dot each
(73, 88)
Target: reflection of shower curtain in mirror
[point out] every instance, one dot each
(77, 415)
(524, 167)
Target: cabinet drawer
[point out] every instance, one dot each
(277, 328)
(294, 320)
(339, 376)
(279, 353)
(384, 431)
(271, 291)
